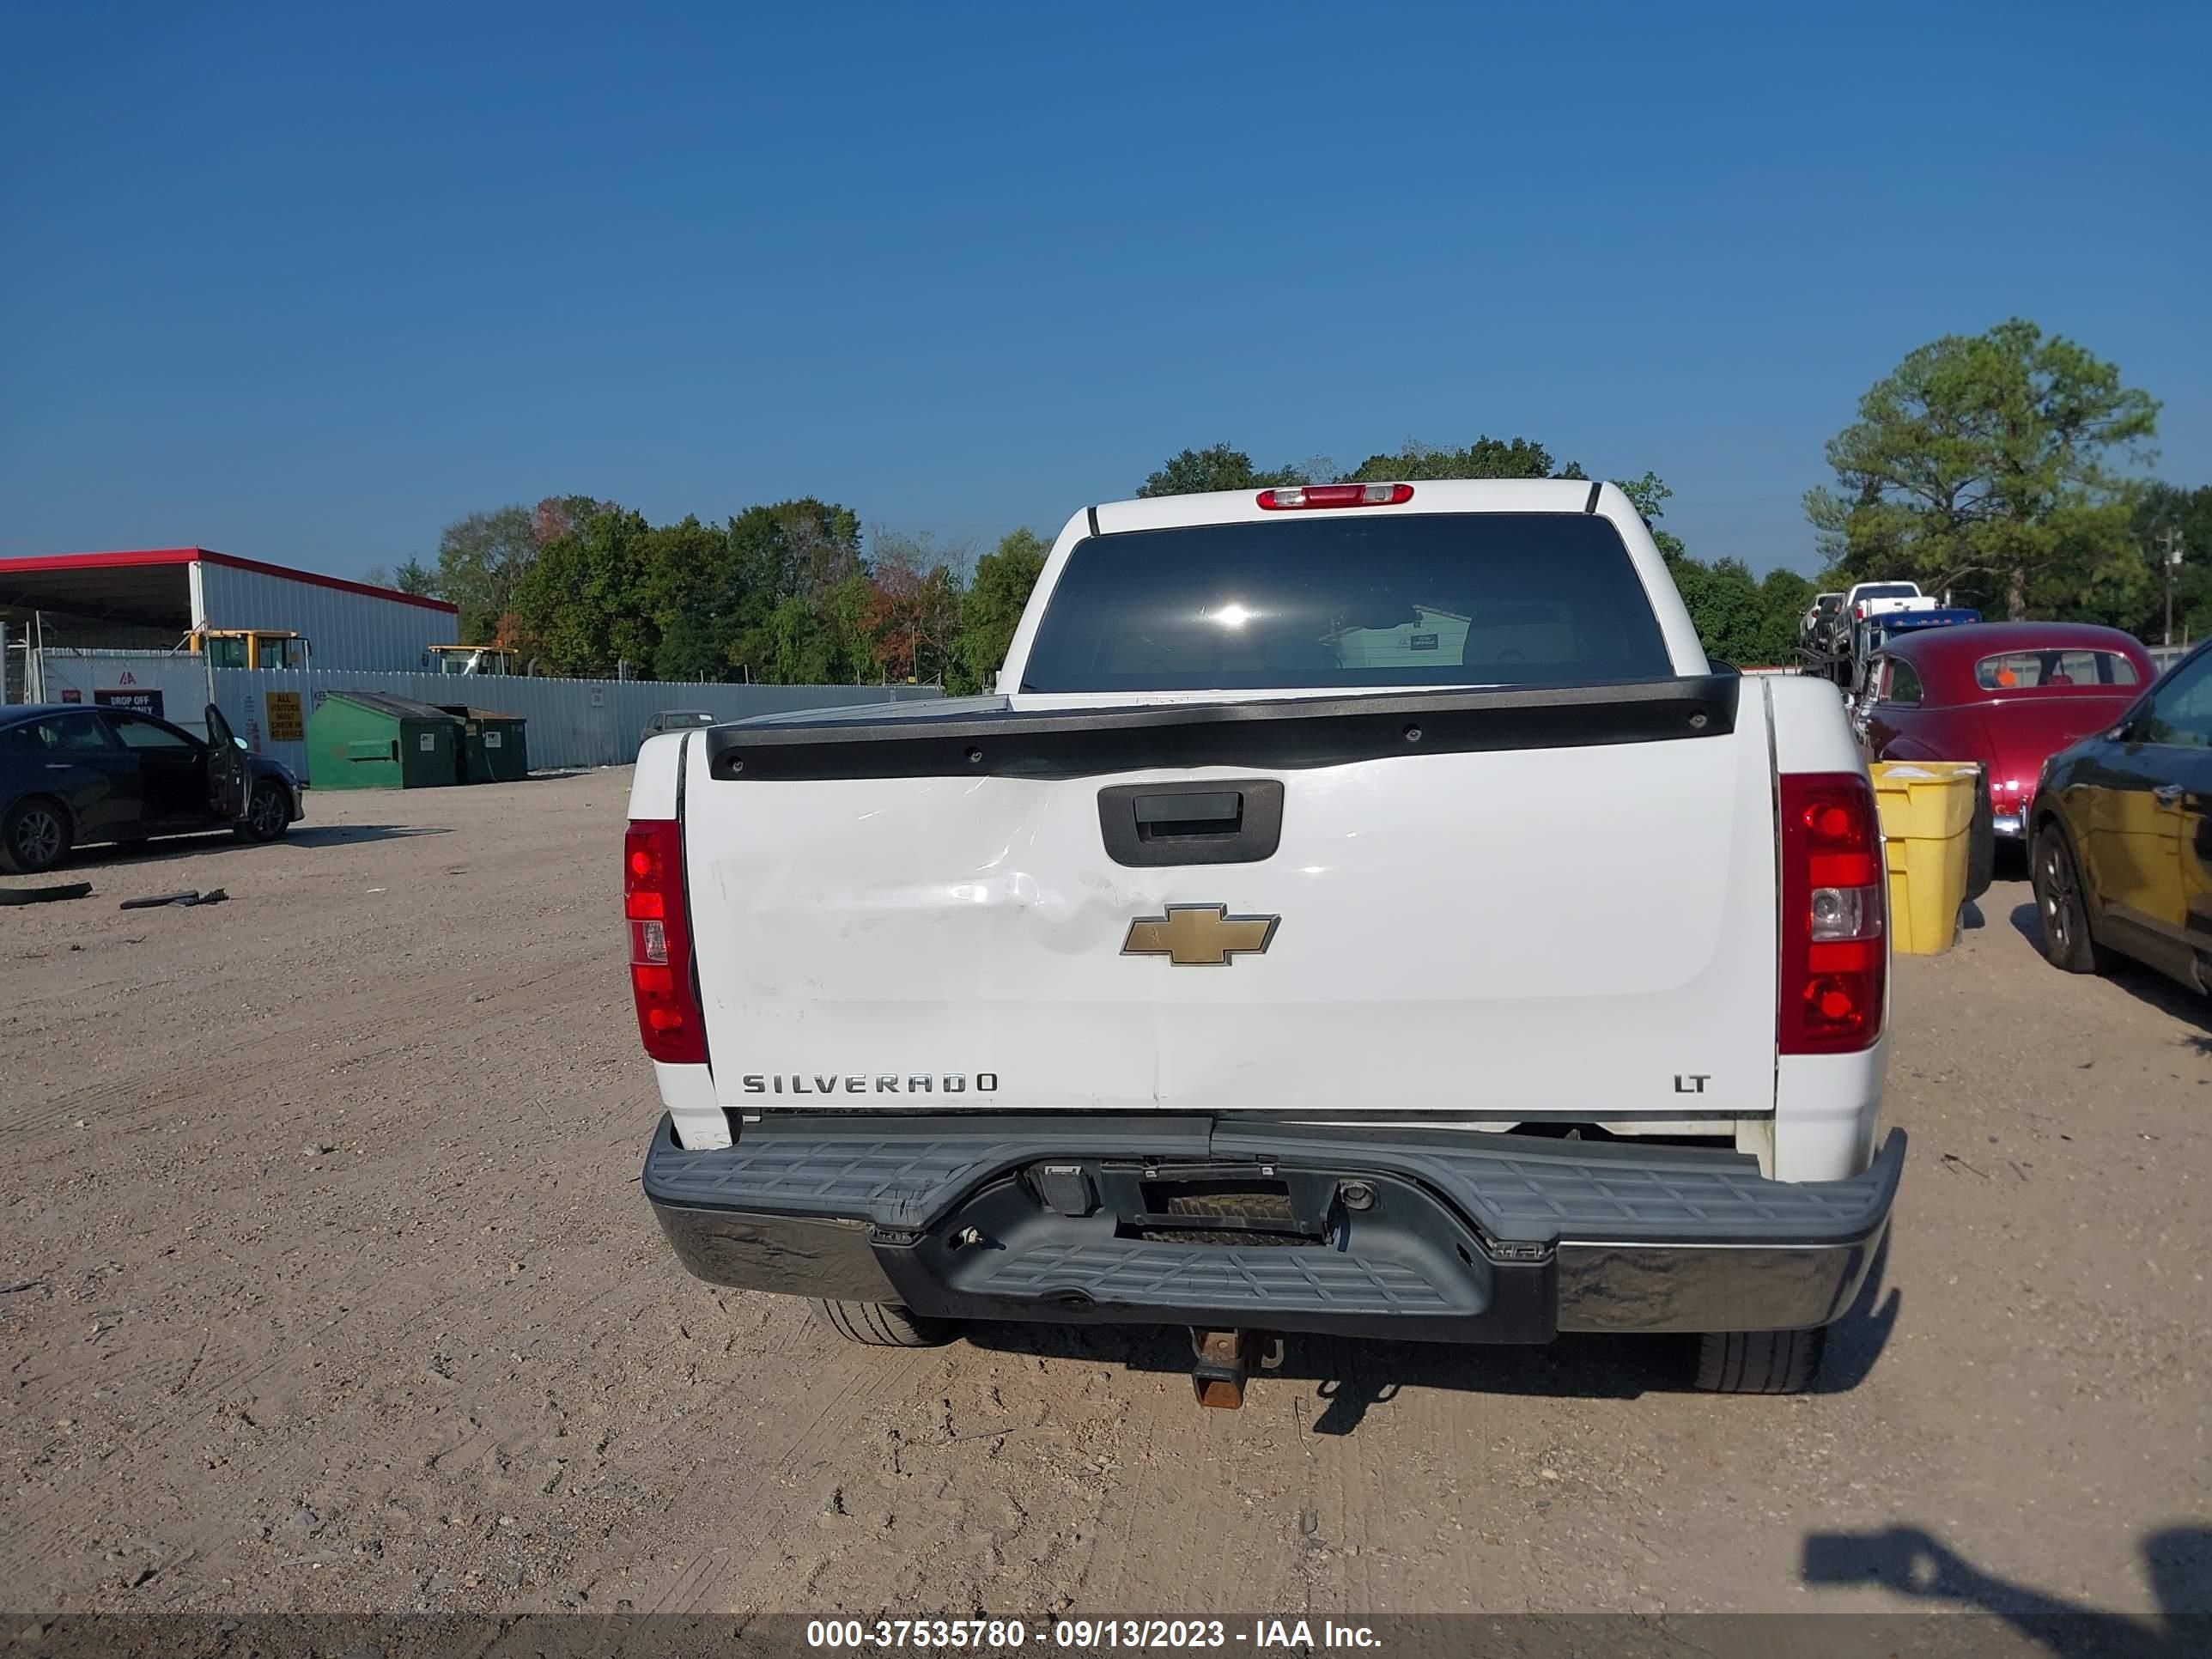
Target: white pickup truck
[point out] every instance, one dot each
(1362, 911)
(1867, 600)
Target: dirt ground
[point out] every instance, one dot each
(325, 1284)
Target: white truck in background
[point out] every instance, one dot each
(1362, 911)
(1833, 638)
(1864, 601)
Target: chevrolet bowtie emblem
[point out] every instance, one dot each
(1193, 934)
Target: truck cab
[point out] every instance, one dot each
(249, 647)
(471, 659)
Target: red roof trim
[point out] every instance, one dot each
(48, 564)
(44, 562)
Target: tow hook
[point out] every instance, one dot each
(1226, 1358)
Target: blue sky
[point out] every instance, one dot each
(304, 283)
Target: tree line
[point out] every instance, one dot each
(2004, 469)
(787, 593)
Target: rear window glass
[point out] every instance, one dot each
(1890, 591)
(1485, 598)
(2023, 669)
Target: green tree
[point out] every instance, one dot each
(688, 587)
(482, 560)
(585, 603)
(688, 650)
(1486, 457)
(1195, 471)
(852, 608)
(412, 577)
(1989, 464)
(2188, 515)
(795, 550)
(2160, 508)
(1649, 496)
(823, 637)
(796, 646)
(993, 607)
(1784, 596)
(1723, 602)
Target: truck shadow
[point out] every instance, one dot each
(345, 835)
(122, 855)
(1913, 1563)
(1355, 1376)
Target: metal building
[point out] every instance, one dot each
(151, 600)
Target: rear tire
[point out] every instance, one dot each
(268, 813)
(2059, 906)
(882, 1325)
(35, 835)
(1760, 1362)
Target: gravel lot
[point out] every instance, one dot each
(328, 1286)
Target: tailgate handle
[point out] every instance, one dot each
(1154, 824)
(1217, 812)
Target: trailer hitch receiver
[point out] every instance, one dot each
(1226, 1358)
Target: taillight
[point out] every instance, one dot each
(1298, 495)
(660, 943)
(1834, 907)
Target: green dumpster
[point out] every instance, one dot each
(499, 745)
(475, 765)
(366, 740)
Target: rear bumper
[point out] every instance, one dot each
(1426, 1236)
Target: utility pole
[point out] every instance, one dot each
(2173, 562)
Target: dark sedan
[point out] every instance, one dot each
(72, 775)
(2122, 838)
(676, 719)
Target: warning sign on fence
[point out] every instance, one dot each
(285, 724)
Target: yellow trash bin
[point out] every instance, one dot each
(1927, 809)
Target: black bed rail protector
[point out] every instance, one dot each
(1305, 732)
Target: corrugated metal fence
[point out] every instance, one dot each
(572, 722)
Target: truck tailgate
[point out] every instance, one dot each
(1577, 929)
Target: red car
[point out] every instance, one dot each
(2008, 695)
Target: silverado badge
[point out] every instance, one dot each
(1198, 934)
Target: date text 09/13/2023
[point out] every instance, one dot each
(1008, 1635)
